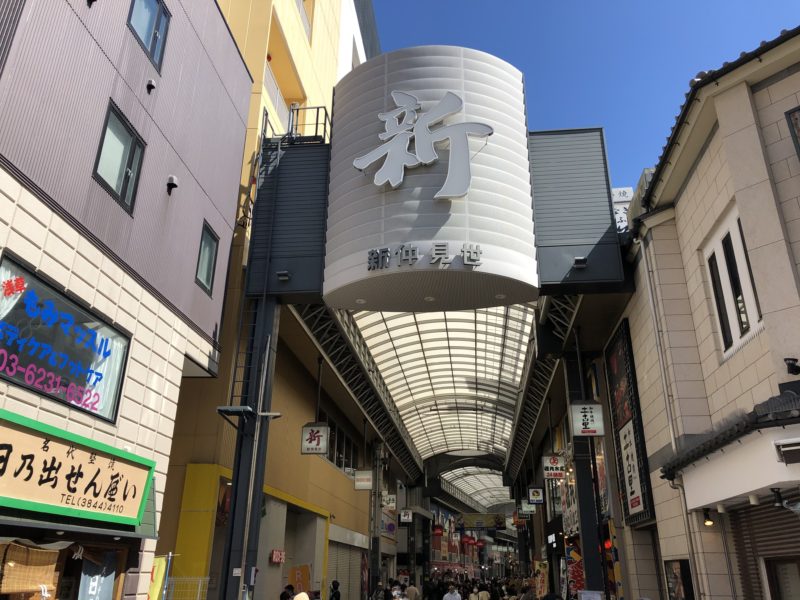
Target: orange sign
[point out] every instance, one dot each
(45, 469)
(300, 578)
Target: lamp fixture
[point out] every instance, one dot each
(777, 498)
(707, 520)
(791, 366)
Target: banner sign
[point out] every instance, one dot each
(626, 416)
(48, 470)
(315, 438)
(536, 495)
(554, 466)
(363, 480)
(55, 348)
(97, 580)
(481, 521)
(587, 419)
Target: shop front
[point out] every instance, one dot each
(73, 513)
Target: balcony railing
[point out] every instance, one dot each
(274, 92)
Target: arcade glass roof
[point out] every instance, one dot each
(455, 377)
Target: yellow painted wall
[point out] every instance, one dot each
(203, 443)
(309, 477)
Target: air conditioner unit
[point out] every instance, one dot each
(788, 450)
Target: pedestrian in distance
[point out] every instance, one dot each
(412, 592)
(378, 593)
(335, 593)
(452, 593)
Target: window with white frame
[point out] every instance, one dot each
(735, 298)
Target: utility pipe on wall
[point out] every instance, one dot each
(668, 400)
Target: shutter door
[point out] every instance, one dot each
(334, 560)
(344, 565)
(354, 575)
(763, 531)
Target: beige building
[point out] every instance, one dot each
(714, 327)
(315, 524)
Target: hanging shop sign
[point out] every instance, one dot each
(626, 416)
(587, 419)
(430, 198)
(554, 466)
(536, 495)
(56, 348)
(630, 469)
(315, 438)
(481, 521)
(480, 543)
(389, 500)
(362, 480)
(406, 516)
(277, 557)
(437, 531)
(527, 508)
(45, 469)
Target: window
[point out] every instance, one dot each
(342, 449)
(207, 259)
(793, 116)
(735, 299)
(149, 20)
(119, 158)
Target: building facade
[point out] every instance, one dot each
(315, 524)
(691, 363)
(713, 328)
(117, 182)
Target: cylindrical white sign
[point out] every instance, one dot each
(430, 195)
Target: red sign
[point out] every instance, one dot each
(480, 543)
(277, 557)
(438, 531)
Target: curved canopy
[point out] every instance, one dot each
(455, 377)
(483, 485)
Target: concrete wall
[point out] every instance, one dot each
(67, 62)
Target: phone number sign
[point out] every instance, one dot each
(45, 469)
(56, 348)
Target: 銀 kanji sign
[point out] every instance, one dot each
(315, 438)
(47, 470)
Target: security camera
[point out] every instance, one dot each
(791, 366)
(172, 183)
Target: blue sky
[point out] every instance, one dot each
(623, 65)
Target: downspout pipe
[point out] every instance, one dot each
(668, 403)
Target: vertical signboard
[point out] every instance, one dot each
(628, 431)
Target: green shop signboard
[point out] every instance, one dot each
(45, 469)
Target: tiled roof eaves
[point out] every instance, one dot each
(700, 80)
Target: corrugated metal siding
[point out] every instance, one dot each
(10, 12)
(572, 207)
(759, 532)
(68, 61)
(289, 221)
